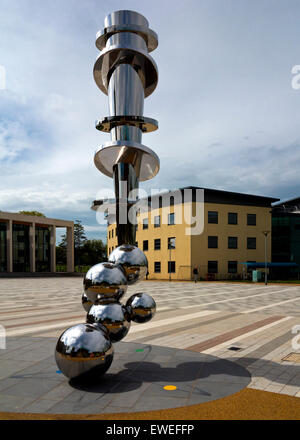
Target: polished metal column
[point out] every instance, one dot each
(126, 73)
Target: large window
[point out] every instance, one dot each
(42, 249)
(3, 250)
(212, 241)
(157, 244)
(171, 219)
(212, 217)
(232, 266)
(232, 218)
(251, 219)
(232, 242)
(212, 267)
(145, 245)
(157, 266)
(171, 242)
(157, 221)
(251, 242)
(145, 223)
(20, 239)
(171, 267)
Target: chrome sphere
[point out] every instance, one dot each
(113, 316)
(84, 351)
(86, 303)
(133, 261)
(141, 307)
(105, 282)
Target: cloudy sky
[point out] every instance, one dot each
(228, 115)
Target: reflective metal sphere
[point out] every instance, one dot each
(84, 351)
(105, 282)
(133, 261)
(141, 307)
(86, 303)
(113, 316)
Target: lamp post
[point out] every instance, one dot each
(266, 255)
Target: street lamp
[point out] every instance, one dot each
(266, 255)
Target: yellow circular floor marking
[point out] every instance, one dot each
(170, 387)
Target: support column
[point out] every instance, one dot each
(32, 247)
(53, 248)
(9, 247)
(70, 249)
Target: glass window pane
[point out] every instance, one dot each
(251, 242)
(232, 218)
(212, 267)
(251, 219)
(157, 244)
(157, 266)
(171, 219)
(212, 241)
(212, 217)
(232, 242)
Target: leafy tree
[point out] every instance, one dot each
(92, 252)
(86, 252)
(37, 213)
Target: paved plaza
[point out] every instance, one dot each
(207, 339)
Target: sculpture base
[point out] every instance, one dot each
(135, 381)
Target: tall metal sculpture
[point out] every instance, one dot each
(126, 73)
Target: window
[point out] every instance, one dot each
(232, 218)
(212, 267)
(116, 232)
(157, 221)
(145, 223)
(108, 234)
(232, 242)
(171, 266)
(251, 219)
(212, 241)
(232, 266)
(171, 219)
(251, 242)
(157, 244)
(145, 245)
(172, 201)
(212, 217)
(157, 266)
(171, 242)
(112, 233)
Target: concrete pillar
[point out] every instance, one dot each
(53, 248)
(32, 247)
(70, 249)
(9, 247)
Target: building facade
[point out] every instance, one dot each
(231, 233)
(286, 236)
(28, 243)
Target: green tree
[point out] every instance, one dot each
(37, 213)
(79, 240)
(92, 252)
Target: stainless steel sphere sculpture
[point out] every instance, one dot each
(126, 73)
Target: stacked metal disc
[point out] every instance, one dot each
(126, 73)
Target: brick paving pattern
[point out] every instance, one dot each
(214, 317)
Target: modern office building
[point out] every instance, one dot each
(286, 236)
(28, 243)
(232, 234)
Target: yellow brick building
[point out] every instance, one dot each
(231, 233)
